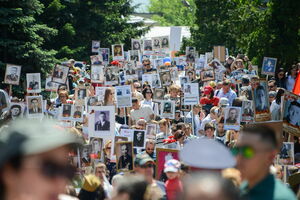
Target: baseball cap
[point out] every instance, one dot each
(28, 137)
(207, 89)
(224, 102)
(142, 158)
(206, 154)
(172, 166)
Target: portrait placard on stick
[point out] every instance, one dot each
(232, 118)
(261, 101)
(60, 74)
(12, 74)
(291, 116)
(33, 81)
(269, 66)
(219, 53)
(191, 93)
(97, 74)
(124, 155)
(34, 106)
(167, 109)
(95, 46)
(247, 111)
(118, 52)
(123, 96)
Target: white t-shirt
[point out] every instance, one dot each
(145, 112)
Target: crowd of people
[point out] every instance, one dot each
(194, 128)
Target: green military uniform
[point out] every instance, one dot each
(269, 188)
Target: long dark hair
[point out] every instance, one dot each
(280, 92)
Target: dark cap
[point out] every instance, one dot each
(142, 158)
(28, 137)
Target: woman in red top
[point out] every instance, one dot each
(209, 100)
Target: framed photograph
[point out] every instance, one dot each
(95, 46)
(184, 80)
(12, 74)
(97, 146)
(165, 78)
(291, 113)
(33, 81)
(190, 53)
(165, 44)
(247, 111)
(118, 139)
(16, 110)
(118, 52)
(261, 101)
(174, 73)
(60, 74)
(123, 96)
(148, 45)
(134, 55)
(191, 93)
(85, 155)
(156, 43)
(111, 76)
(102, 121)
(151, 130)
(286, 155)
(139, 138)
(65, 112)
(136, 44)
(96, 59)
(167, 109)
(77, 113)
(104, 52)
(130, 72)
(207, 75)
(97, 74)
(269, 66)
(158, 94)
(162, 156)
(124, 155)
(91, 101)
(155, 81)
(50, 85)
(232, 118)
(34, 106)
(80, 94)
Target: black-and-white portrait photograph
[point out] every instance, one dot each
(167, 109)
(102, 122)
(50, 85)
(207, 75)
(184, 80)
(187, 89)
(12, 74)
(85, 155)
(34, 106)
(269, 66)
(148, 45)
(16, 110)
(156, 43)
(190, 54)
(96, 59)
(291, 116)
(97, 146)
(151, 130)
(134, 55)
(158, 94)
(77, 112)
(81, 93)
(156, 83)
(118, 52)
(165, 78)
(60, 74)
(111, 76)
(124, 155)
(66, 110)
(174, 73)
(286, 154)
(95, 46)
(261, 98)
(123, 96)
(97, 74)
(104, 52)
(33, 81)
(247, 111)
(136, 44)
(139, 138)
(232, 118)
(165, 42)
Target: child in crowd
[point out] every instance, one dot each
(173, 184)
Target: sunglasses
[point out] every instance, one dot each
(147, 166)
(150, 149)
(53, 170)
(245, 151)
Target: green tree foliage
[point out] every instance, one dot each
(21, 37)
(80, 22)
(173, 12)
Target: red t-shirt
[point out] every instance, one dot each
(173, 188)
(214, 101)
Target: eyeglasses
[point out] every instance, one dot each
(245, 151)
(280, 74)
(148, 92)
(147, 166)
(53, 170)
(149, 149)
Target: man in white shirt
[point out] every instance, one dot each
(140, 111)
(227, 92)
